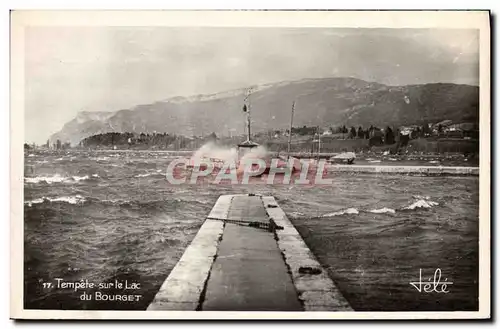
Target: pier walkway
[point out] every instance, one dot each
(249, 273)
(247, 256)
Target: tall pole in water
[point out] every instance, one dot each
(248, 118)
(319, 143)
(247, 99)
(290, 132)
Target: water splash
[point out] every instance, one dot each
(213, 151)
(383, 211)
(421, 204)
(348, 211)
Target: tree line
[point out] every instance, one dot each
(128, 139)
(388, 136)
(376, 135)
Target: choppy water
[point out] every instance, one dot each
(106, 216)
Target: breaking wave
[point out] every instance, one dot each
(74, 199)
(58, 179)
(143, 175)
(156, 173)
(296, 214)
(46, 179)
(211, 150)
(383, 211)
(348, 211)
(422, 203)
(86, 177)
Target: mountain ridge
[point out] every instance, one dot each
(324, 101)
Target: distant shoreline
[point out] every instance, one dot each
(365, 159)
(294, 154)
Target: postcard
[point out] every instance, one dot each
(250, 164)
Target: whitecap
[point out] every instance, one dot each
(375, 161)
(157, 173)
(74, 199)
(69, 199)
(116, 201)
(434, 161)
(383, 211)
(143, 175)
(418, 197)
(31, 155)
(296, 214)
(86, 177)
(57, 179)
(47, 179)
(421, 204)
(348, 211)
(79, 178)
(30, 203)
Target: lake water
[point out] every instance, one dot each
(108, 216)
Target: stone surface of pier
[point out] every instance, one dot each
(249, 273)
(248, 256)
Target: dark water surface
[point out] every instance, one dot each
(109, 217)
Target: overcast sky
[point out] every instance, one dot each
(76, 69)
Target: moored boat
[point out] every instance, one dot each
(344, 158)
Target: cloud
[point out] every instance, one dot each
(69, 69)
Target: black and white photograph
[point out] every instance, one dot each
(261, 164)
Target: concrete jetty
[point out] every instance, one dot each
(247, 256)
